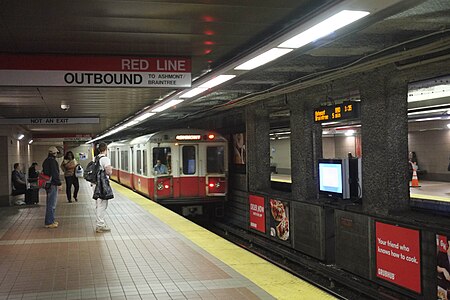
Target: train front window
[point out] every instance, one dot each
(163, 154)
(215, 159)
(189, 164)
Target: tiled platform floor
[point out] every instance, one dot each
(141, 258)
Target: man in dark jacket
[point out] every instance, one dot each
(50, 167)
(19, 186)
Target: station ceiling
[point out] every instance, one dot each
(213, 34)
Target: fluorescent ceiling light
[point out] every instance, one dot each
(349, 132)
(324, 28)
(144, 117)
(30, 142)
(442, 110)
(429, 119)
(262, 59)
(167, 105)
(216, 81)
(131, 123)
(193, 92)
(21, 136)
(427, 93)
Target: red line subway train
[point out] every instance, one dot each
(185, 169)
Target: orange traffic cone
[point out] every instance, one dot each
(415, 180)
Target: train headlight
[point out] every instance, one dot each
(212, 184)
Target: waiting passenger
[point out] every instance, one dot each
(50, 168)
(413, 163)
(68, 166)
(33, 174)
(19, 185)
(102, 191)
(160, 168)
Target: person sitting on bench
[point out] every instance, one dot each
(19, 185)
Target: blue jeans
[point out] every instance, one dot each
(52, 196)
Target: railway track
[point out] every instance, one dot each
(330, 279)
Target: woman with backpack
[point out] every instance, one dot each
(69, 165)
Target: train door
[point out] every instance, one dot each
(216, 180)
(161, 169)
(131, 167)
(189, 173)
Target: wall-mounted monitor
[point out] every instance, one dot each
(340, 178)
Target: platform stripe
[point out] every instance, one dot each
(274, 280)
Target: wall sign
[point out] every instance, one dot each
(50, 121)
(257, 213)
(94, 71)
(398, 255)
(343, 111)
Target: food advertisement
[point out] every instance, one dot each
(279, 220)
(398, 256)
(257, 213)
(443, 267)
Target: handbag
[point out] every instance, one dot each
(44, 181)
(79, 172)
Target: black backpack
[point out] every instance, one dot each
(91, 171)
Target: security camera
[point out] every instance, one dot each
(65, 107)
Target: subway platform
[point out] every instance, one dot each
(150, 253)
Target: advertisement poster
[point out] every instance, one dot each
(443, 267)
(279, 219)
(239, 156)
(257, 213)
(398, 256)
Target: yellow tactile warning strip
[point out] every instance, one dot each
(277, 282)
(429, 197)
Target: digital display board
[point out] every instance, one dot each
(343, 111)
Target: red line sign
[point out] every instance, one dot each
(103, 71)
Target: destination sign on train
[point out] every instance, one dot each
(94, 71)
(343, 111)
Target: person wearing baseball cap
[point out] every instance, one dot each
(50, 168)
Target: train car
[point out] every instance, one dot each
(113, 154)
(193, 177)
(124, 157)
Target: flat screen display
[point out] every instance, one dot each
(330, 177)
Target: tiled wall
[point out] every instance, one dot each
(11, 151)
(433, 151)
(338, 146)
(328, 147)
(280, 150)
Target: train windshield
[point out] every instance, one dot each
(215, 159)
(163, 155)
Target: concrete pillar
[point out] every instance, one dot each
(384, 135)
(306, 147)
(258, 148)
